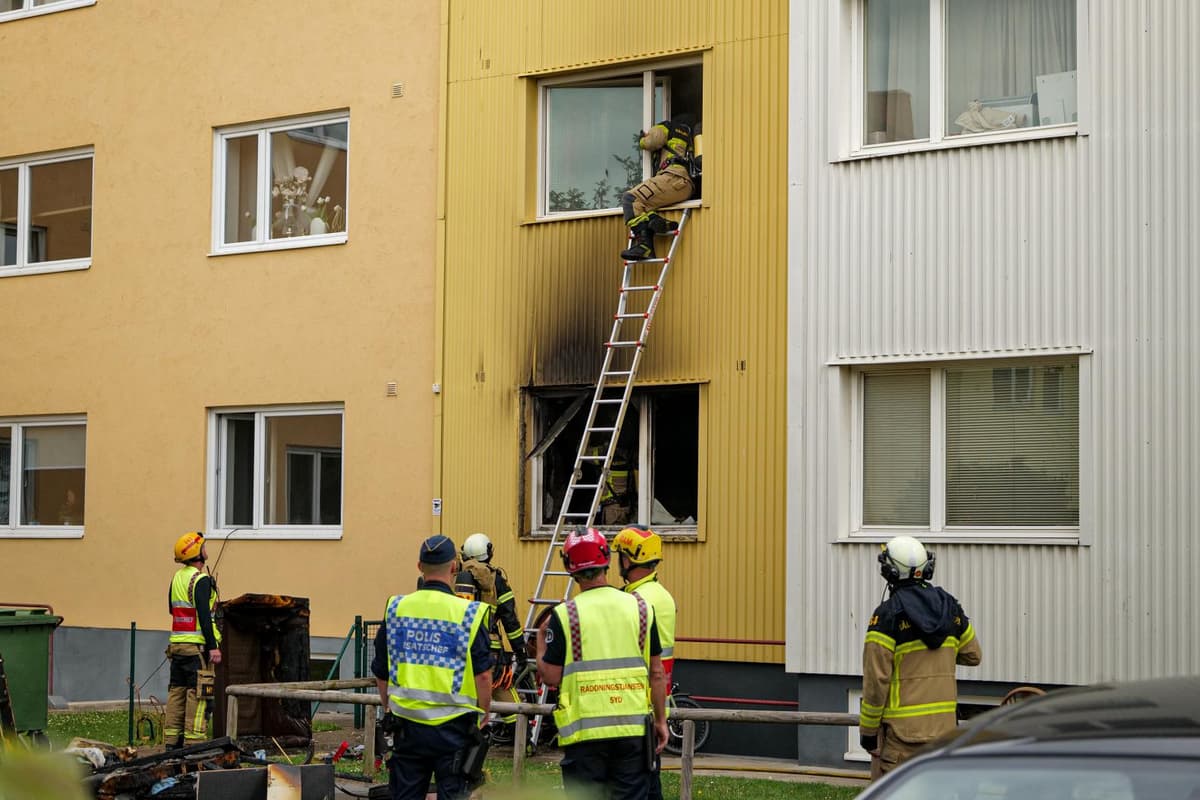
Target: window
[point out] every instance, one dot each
(46, 213)
(15, 9)
(281, 185)
(658, 448)
(968, 447)
(276, 471)
(588, 136)
(42, 477)
(936, 70)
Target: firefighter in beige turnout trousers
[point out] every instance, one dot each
(914, 640)
(194, 644)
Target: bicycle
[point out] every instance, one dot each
(681, 699)
(526, 686)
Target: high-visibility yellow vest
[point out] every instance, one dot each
(664, 610)
(431, 677)
(185, 623)
(605, 688)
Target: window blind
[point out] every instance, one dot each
(1012, 445)
(896, 448)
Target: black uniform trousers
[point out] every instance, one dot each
(423, 751)
(608, 769)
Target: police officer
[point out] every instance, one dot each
(601, 649)
(672, 141)
(194, 643)
(914, 640)
(433, 673)
(639, 551)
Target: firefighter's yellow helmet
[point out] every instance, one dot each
(640, 545)
(189, 546)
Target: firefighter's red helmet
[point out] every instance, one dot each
(585, 548)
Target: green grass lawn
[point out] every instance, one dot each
(101, 726)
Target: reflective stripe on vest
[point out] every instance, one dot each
(605, 689)
(664, 610)
(431, 676)
(871, 716)
(185, 621)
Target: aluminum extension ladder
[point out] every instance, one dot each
(610, 400)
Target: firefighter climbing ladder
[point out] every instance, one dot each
(636, 303)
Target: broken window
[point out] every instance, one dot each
(653, 477)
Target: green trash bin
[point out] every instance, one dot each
(25, 646)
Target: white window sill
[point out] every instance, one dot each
(955, 142)
(1047, 536)
(37, 11)
(603, 212)
(669, 533)
(281, 244)
(43, 532)
(278, 533)
(43, 268)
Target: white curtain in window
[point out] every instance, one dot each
(897, 69)
(997, 48)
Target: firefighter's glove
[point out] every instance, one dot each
(869, 743)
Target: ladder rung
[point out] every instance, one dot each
(653, 288)
(575, 514)
(544, 601)
(648, 261)
(591, 458)
(584, 485)
(636, 343)
(614, 374)
(601, 430)
(632, 315)
(610, 400)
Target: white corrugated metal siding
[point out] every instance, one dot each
(1085, 241)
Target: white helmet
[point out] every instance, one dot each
(903, 559)
(477, 547)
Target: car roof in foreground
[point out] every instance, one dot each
(1155, 717)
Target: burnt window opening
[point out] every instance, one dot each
(653, 478)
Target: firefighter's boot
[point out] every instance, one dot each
(642, 246)
(661, 225)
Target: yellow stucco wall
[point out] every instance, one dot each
(157, 331)
(522, 298)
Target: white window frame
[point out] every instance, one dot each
(848, 396)
(216, 483)
(11, 528)
(645, 488)
(50, 7)
(854, 750)
(263, 208)
(846, 91)
(23, 166)
(647, 72)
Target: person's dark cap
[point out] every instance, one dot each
(437, 550)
